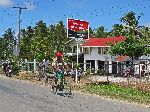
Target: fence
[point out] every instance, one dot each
(136, 70)
(125, 73)
(29, 66)
(87, 70)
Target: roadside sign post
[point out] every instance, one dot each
(77, 60)
(77, 29)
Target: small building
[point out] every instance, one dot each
(96, 52)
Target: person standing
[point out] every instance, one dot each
(72, 73)
(45, 67)
(79, 73)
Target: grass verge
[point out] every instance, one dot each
(119, 92)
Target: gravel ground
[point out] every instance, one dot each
(22, 96)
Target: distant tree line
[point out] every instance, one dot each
(43, 41)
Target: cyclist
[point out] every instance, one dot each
(59, 71)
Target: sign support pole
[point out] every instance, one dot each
(77, 60)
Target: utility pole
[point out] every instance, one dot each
(19, 21)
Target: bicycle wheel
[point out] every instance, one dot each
(53, 89)
(67, 89)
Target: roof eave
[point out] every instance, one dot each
(95, 46)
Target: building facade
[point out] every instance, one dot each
(96, 53)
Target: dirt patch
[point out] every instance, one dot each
(142, 86)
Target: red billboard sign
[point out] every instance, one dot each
(78, 28)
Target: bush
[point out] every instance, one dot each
(15, 68)
(87, 72)
(101, 72)
(77, 66)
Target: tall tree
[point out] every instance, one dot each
(2, 48)
(131, 22)
(60, 37)
(25, 45)
(39, 41)
(133, 47)
(91, 32)
(8, 43)
(118, 30)
(100, 32)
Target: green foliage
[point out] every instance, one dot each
(42, 41)
(6, 44)
(87, 72)
(92, 33)
(15, 65)
(101, 72)
(118, 30)
(114, 91)
(130, 19)
(100, 32)
(77, 66)
(131, 47)
(39, 42)
(25, 45)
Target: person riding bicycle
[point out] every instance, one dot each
(59, 78)
(7, 66)
(59, 70)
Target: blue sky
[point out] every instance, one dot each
(97, 12)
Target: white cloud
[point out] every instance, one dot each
(147, 25)
(6, 3)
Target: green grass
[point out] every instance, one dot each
(115, 91)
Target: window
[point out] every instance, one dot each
(103, 50)
(69, 49)
(81, 50)
(87, 50)
(99, 50)
(74, 49)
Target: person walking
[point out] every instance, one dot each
(45, 69)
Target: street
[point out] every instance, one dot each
(18, 96)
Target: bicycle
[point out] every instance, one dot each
(61, 85)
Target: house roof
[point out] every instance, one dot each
(97, 42)
(121, 58)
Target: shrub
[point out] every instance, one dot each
(87, 72)
(101, 72)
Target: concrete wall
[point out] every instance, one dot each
(96, 56)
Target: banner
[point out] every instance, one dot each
(78, 29)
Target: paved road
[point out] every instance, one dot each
(16, 96)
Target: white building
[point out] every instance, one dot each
(95, 51)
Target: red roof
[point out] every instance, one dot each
(96, 42)
(121, 58)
